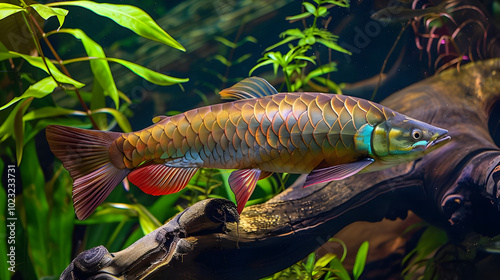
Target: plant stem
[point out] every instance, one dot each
(386, 59)
(64, 69)
(78, 59)
(314, 22)
(287, 80)
(115, 233)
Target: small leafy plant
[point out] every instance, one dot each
(328, 267)
(295, 61)
(421, 256)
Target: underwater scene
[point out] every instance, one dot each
(250, 139)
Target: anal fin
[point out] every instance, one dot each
(158, 179)
(337, 172)
(242, 183)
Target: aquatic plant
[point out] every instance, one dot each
(436, 256)
(43, 209)
(422, 255)
(448, 33)
(296, 60)
(228, 56)
(443, 34)
(327, 267)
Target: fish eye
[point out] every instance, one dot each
(417, 134)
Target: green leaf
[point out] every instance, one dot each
(310, 7)
(98, 101)
(119, 117)
(147, 221)
(299, 16)
(247, 39)
(7, 126)
(100, 67)
(322, 11)
(19, 129)
(36, 209)
(38, 62)
(341, 3)
(311, 259)
(61, 220)
(150, 75)
(226, 42)
(359, 262)
(43, 123)
(301, 57)
(293, 32)
(41, 89)
(129, 17)
(222, 60)
(431, 240)
(9, 9)
(324, 261)
(263, 63)
(49, 112)
(332, 45)
(339, 269)
(310, 40)
(282, 42)
(110, 213)
(323, 69)
(46, 12)
(242, 58)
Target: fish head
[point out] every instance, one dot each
(402, 139)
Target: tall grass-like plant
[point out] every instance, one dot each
(43, 91)
(295, 62)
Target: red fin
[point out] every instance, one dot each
(337, 172)
(85, 154)
(158, 179)
(242, 183)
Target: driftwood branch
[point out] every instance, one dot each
(455, 187)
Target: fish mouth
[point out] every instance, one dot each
(439, 139)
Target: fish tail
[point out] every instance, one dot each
(88, 155)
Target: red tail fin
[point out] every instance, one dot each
(85, 154)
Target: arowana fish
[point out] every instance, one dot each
(327, 136)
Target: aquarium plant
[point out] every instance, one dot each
(295, 62)
(44, 91)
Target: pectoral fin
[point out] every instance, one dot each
(337, 172)
(242, 183)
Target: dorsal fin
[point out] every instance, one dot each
(159, 118)
(253, 87)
